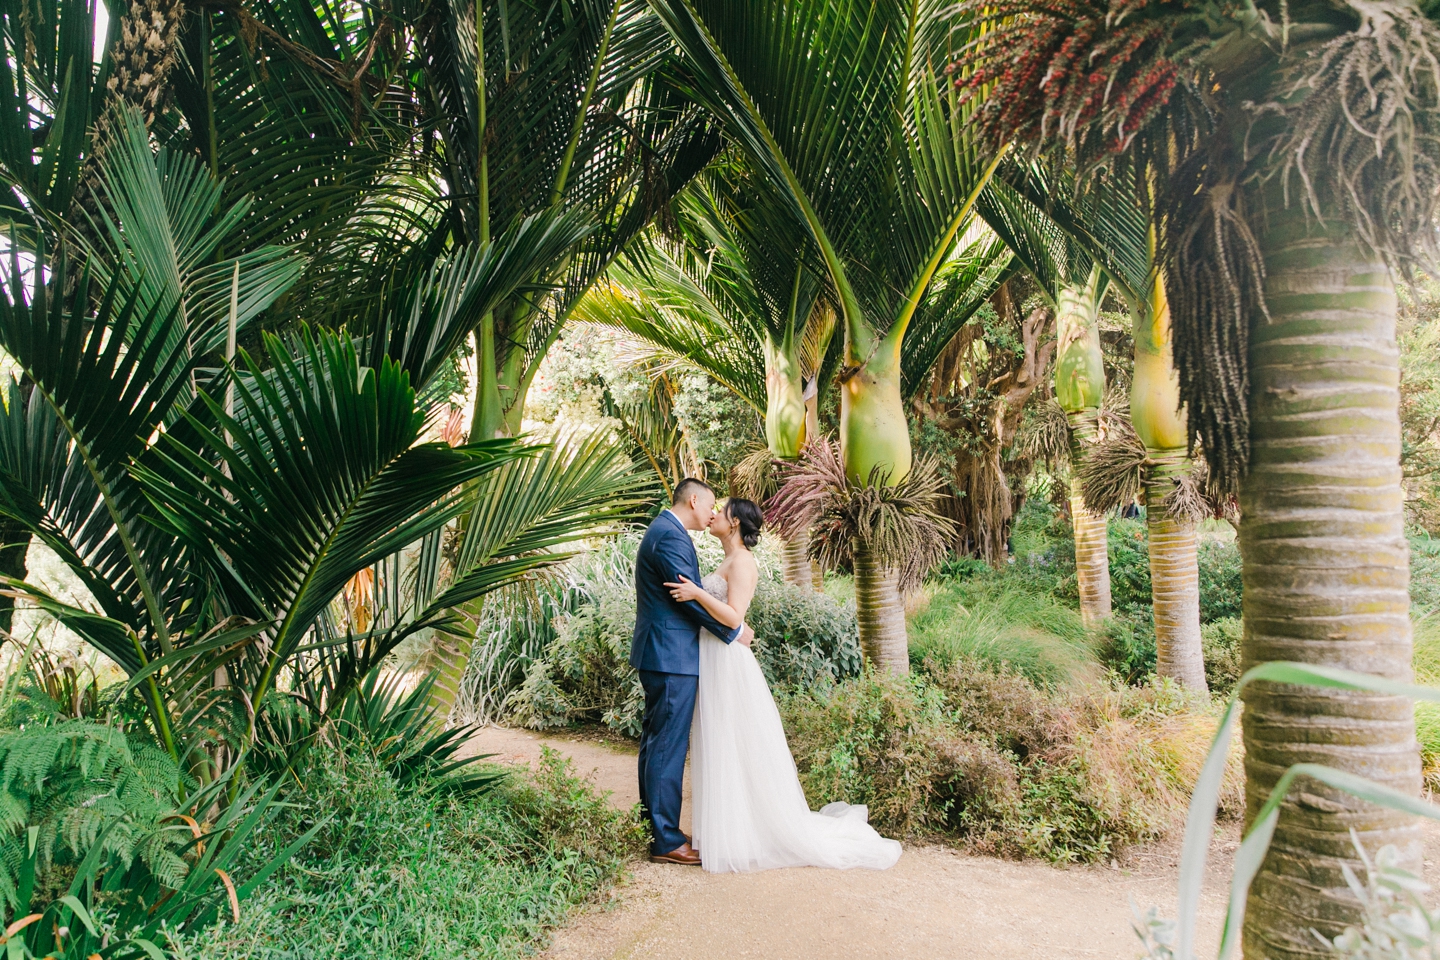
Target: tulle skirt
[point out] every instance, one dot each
(749, 810)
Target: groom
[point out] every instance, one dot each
(666, 651)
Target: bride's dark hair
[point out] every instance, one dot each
(748, 516)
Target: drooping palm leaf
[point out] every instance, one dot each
(94, 405)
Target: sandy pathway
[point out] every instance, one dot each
(936, 903)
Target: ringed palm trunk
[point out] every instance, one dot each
(1159, 423)
(1079, 389)
(880, 611)
(1326, 573)
(875, 443)
(786, 433)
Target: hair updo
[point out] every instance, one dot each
(748, 517)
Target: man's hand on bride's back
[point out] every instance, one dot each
(747, 636)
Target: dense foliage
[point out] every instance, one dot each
(986, 757)
(395, 872)
(582, 673)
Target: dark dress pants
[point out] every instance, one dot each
(664, 742)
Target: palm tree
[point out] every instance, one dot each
(1080, 389)
(873, 159)
(1295, 160)
(216, 540)
(740, 300)
(1107, 223)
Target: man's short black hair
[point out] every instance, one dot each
(686, 489)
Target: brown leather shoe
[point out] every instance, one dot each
(683, 854)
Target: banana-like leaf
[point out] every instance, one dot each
(323, 479)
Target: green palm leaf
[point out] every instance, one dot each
(961, 287)
(162, 230)
(529, 515)
(435, 314)
(93, 408)
(322, 479)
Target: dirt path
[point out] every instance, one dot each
(936, 903)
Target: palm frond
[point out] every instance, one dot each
(534, 513)
(899, 524)
(160, 228)
(1111, 473)
(322, 479)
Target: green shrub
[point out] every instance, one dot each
(583, 673)
(1129, 565)
(1220, 584)
(433, 875)
(1425, 573)
(1427, 715)
(105, 835)
(985, 757)
(1006, 623)
(1127, 644)
(1221, 642)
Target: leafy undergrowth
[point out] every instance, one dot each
(987, 758)
(1005, 623)
(403, 873)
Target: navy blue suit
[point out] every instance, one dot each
(666, 651)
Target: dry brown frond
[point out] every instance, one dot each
(1110, 474)
(1044, 435)
(900, 524)
(1186, 499)
(755, 477)
(1362, 131)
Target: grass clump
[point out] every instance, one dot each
(985, 757)
(426, 874)
(1005, 623)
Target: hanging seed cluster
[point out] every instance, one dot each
(1089, 74)
(1214, 279)
(145, 53)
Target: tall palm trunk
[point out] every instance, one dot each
(1174, 578)
(875, 445)
(1160, 424)
(795, 564)
(880, 611)
(1326, 572)
(1079, 389)
(787, 430)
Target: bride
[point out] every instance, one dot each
(750, 812)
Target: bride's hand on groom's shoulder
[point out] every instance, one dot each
(685, 589)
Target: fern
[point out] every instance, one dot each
(77, 784)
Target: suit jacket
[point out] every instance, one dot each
(667, 632)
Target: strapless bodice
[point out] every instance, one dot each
(717, 586)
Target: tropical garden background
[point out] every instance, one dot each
(1082, 354)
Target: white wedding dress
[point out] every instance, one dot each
(749, 810)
